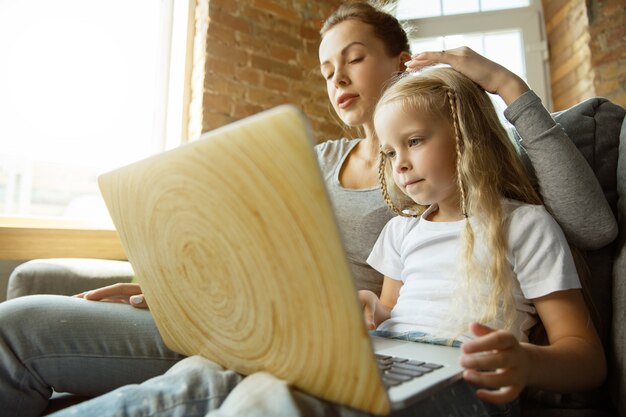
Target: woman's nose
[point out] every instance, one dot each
(340, 78)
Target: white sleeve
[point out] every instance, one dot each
(541, 257)
(386, 256)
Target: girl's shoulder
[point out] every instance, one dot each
(524, 219)
(400, 225)
(513, 209)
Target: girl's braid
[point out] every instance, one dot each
(455, 124)
(383, 186)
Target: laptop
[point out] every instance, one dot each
(235, 245)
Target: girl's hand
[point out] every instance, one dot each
(117, 293)
(368, 300)
(491, 76)
(496, 361)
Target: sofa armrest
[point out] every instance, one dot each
(66, 276)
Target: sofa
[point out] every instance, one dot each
(596, 127)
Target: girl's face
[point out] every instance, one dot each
(422, 154)
(355, 65)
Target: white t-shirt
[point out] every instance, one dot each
(425, 256)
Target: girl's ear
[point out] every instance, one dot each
(402, 58)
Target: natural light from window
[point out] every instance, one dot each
(504, 46)
(411, 9)
(77, 95)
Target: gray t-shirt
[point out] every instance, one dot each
(569, 186)
(361, 213)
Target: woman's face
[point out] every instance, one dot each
(356, 66)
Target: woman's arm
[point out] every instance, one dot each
(567, 183)
(573, 361)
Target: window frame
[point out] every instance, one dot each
(30, 237)
(529, 20)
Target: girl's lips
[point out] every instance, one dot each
(410, 183)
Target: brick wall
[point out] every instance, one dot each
(254, 55)
(607, 26)
(587, 41)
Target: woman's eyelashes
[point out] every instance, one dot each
(328, 76)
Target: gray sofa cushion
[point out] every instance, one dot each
(618, 352)
(594, 125)
(66, 276)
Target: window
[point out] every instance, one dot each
(85, 86)
(508, 32)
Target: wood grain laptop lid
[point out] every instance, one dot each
(234, 243)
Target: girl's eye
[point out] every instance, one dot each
(390, 154)
(329, 76)
(415, 141)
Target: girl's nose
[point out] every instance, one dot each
(402, 164)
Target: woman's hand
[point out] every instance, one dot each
(491, 76)
(368, 300)
(496, 361)
(117, 293)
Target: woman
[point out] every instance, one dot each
(91, 348)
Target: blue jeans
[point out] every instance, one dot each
(196, 387)
(78, 346)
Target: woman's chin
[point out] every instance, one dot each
(352, 118)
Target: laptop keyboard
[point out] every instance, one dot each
(396, 371)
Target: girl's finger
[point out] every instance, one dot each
(496, 340)
(480, 329)
(493, 380)
(488, 360)
(500, 396)
(368, 316)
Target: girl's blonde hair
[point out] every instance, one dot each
(488, 168)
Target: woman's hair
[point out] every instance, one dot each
(488, 168)
(386, 27)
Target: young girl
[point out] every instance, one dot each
(472, 246)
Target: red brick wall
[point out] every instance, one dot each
(253, 55)
(587, 41)
(259, 54)
(607, 26)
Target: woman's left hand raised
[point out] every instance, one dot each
(491, 76)
(496, 362)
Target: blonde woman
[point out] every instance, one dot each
(472, 247)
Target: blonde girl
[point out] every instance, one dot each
(472, 242)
